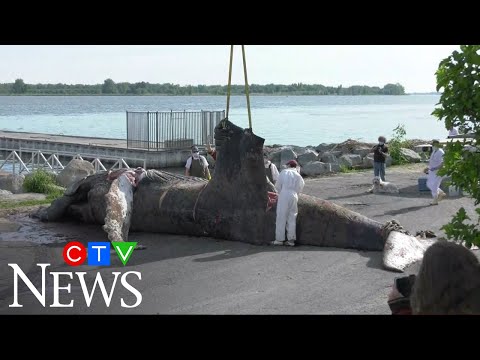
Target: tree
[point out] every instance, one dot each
(459, 77)
(109, 87)
(393, 89)
(122, 88)
(19, 87)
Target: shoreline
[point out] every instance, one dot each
(219, 95)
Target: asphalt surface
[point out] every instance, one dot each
(191, 275)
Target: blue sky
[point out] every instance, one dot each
(413, 66)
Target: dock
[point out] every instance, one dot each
(24, 142)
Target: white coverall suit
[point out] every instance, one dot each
(288, 185)
(433, 180)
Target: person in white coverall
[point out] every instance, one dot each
(433, 180)
(288, 185)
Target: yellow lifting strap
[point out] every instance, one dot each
(246, 84)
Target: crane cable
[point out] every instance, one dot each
(246, 84)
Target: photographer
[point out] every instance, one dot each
(380, 153)
(448, 283)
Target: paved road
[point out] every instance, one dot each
(189, 275)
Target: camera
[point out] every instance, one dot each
(404, 285)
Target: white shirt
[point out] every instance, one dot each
(201, 157)
(453, 132)
(290, 180)
(274, 170)
(436, 159)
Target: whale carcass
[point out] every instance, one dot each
(231, 206)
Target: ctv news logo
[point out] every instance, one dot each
(75, 254)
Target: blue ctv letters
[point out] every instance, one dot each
(99, 253)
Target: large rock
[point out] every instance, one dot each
(335, 168)
(316, 168)
(388, 161)
(362, 151)
(307, 157)
(299, 150)
(345, 162)
(410, 155)
(328, 157)
(74, 171)
(282, 156)
(12, 182)
(323, 147)
(350, 160)
(368, 161)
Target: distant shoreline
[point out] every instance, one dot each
(109, 87)
(209, 95)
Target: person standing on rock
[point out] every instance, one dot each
(197, 165)
(380, 153)
(289, 184)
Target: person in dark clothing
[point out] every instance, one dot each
(380, 152)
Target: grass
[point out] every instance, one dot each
(17, 204)
(39, 182)
(345, 169)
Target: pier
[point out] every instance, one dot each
(154, 140)
(26, 143)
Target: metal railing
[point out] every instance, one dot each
(171, 130)
(41, 160)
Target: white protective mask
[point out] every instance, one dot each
(196, 155)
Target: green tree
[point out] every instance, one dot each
(458, 76)
(109, 87)
(398, 141)
(19, 87)
(393, 89)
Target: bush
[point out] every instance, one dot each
(397, 142)
(43, 182)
